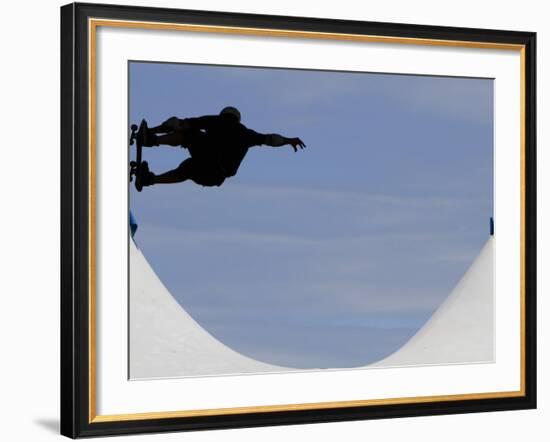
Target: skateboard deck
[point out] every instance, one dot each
(136, 166)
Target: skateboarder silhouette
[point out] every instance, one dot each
(217, 144)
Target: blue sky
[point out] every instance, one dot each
(333, 256)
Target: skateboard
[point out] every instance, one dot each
(136, 166)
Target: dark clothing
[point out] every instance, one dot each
(201, 172)
(218, 144)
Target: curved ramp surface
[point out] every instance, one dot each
(165, 341)
(462, 328)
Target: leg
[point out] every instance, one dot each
(189, 169)
(170, 125)
(172, 130)
(179, 174)
(172, 139)
(183, 137)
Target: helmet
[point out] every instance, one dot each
(230, 110)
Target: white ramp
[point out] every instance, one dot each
(462, 328)
(166, 342)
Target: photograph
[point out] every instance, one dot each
(275, 221)
(292, 219)
(272, 220)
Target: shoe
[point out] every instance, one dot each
(149, 139)
(145, 177)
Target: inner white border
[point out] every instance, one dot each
(116, 395)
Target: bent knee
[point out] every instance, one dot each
(208, 180)
(171, 124)
(185, 168)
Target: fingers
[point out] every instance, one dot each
(296, 142)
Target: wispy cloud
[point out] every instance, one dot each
(436, 95)
(166, 234)
(288, 194)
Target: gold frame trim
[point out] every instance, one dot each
(93, 24)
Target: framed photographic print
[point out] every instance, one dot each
(274, 220)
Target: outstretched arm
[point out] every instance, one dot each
(277, 140)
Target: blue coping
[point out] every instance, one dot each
(133, 224)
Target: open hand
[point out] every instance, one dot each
(295, 143)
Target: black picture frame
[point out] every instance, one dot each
(76, 249)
